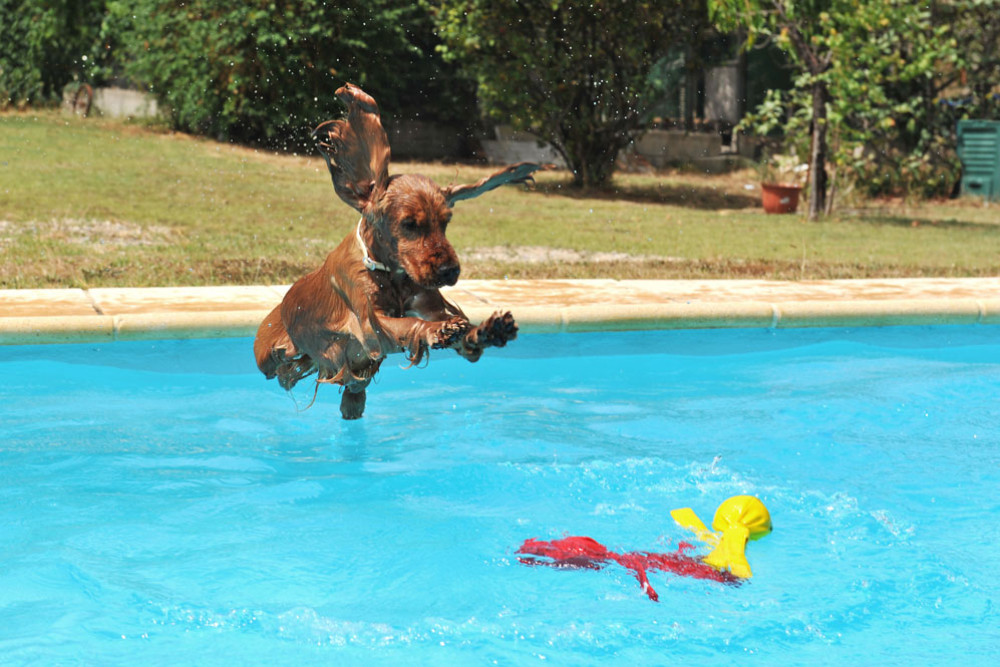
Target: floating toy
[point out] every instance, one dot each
(585, 552)
(738, 519)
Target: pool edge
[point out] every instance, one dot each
(113, 314)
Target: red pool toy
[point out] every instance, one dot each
(738, 520)
(587, 553)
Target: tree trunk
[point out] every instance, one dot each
(597, 169)
(817, 156)
(591, 157)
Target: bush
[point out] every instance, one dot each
(46, 44)
(265, 71)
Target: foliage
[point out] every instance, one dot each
(975, 25)
(260, 71)
(884, 65)
(968, 89)
(45, 43)
(783, 169)
(266, 70)
(576, 74)
(887, 71)
(795, 26)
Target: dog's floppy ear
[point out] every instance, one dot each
(515, 173)
(356, 150)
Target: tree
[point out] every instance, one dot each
(965, 89)
(975, 24)
(892, 63)
(863, 72)
(576, 74)
(796, 24)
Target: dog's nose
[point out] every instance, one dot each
(448, 274)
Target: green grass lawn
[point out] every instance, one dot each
(91, 202)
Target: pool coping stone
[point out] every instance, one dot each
(136, 313)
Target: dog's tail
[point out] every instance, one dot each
(276, 353)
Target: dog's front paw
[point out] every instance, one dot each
(449, 333)
(497, 330)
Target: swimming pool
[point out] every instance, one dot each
(160, 503)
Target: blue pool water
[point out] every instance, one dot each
(161, 504)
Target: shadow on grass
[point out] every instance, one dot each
(915, 220)
(673, 194)
(708, 269)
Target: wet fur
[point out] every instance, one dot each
(342, 320)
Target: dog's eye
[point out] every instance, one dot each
(410, 225)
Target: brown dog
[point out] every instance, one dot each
(377, 293)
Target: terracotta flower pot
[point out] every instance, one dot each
(780, 197)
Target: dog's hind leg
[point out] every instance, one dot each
(352, 402)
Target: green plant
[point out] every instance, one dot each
(265, 71)
(864, 72)
(578, 75)
(783, 169)
(45, 45)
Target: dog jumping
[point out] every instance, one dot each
(378, 292)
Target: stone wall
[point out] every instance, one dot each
(120, 103)
(424, 140)
(660, 148)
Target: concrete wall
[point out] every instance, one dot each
(123, 103)
(423, 140)
(420, 140)
(667, 147)
(509, 151)
(723, 91)
(660, 148)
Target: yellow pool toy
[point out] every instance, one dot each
(738, 520)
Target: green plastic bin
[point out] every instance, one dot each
(979, 151)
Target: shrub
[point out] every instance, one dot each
(265, 71)
(46, 44)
